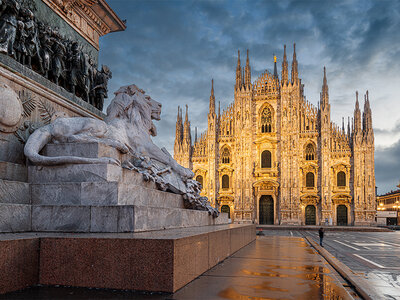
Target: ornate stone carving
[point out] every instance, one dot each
(43, 49)
(89, 17)
(128, 127)
(12, 111)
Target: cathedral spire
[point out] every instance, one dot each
(178, 133)
(186, 115)
(275, 68)
(357, 116)
(348, 128)
(212, 98)
(295, 72)
(324, 93)
(247, 71)
(343, 131)
(367, 118)
(238, 73)
(285, 76)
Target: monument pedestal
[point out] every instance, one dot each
(104, 197)
(162, 261)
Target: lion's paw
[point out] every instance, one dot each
(110, 160)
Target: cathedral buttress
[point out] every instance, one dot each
(325, 152)
(212, 142)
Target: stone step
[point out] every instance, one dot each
(74, 173)
(11, 150)
(15, 217)
(12, 171)
(14, 192)
(130, 218)
(90, 149)
(102, 193)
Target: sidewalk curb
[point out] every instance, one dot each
(326, 228)
(361, 286)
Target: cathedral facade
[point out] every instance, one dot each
(271, 157)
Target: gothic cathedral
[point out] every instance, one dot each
(273, 158)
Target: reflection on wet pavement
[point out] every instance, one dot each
(373, 256)
(270, 268)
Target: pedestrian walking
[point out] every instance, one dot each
(321, 235)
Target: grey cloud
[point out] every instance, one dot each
(387, 167)
(172, 49)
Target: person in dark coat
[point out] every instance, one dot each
(321, 235)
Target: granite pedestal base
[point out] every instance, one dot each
(161, 261)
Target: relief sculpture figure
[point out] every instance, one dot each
(8, 26)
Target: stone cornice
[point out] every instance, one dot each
(90, 18)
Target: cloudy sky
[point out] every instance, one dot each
(172, 49)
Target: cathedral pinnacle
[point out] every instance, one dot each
(357, 116)
(186, 116)
(367, 115)
(247, 76)
(324, 94)
(285, 76)
(187, 139)
(295, 73)
(238, 84)
(212, 98)
(275, 68)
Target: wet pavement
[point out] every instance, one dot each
(272, 267)
(373, 255)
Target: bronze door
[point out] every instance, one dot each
(266, 210)
(310, 215)
(341, 215)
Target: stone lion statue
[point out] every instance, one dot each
(127, 127)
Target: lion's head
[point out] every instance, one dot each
(132, 103)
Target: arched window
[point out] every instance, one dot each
(199, 178)
(225, 156)
(341, 178)
(310, 179)
(225, 181)
(266, 120)
(266, 159)
(310, 152)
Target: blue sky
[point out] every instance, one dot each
(172, 49)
